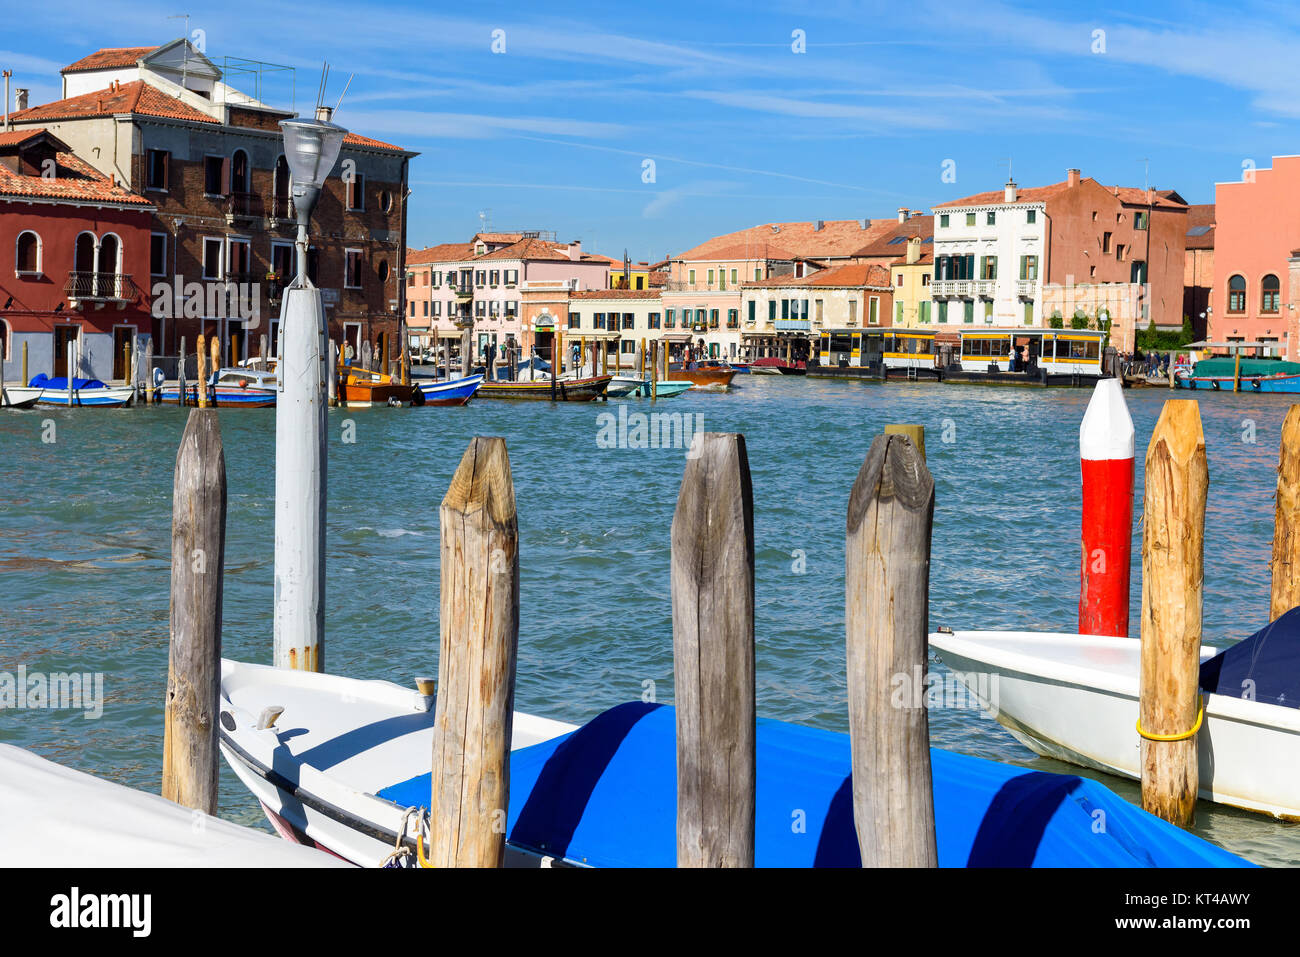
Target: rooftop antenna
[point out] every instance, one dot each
(1007, 160)
(351, 77)
(185, 51)
(324, 81)
(1146, 172)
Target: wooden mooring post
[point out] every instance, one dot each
(201, 386)
(713, 656)
(479, 625)
(1173, 543)
(181, 384)
(190, 759)
(1285, 566)
(25, 379)
(887, 584)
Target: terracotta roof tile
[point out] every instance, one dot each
(836, 239)
(77, 181)
(615, 294)
(442, 253)
(109, 58)
(1132, 195)
(532, 248)
(15, 137)
(1200, 226)
(850, 274)
(356, 139)
(135, 97)
(885, 245)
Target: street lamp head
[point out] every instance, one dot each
(311, 148)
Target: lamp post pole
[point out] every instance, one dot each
(300, 420)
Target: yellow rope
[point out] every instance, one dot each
(1200, 716)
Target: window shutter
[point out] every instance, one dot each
(225, 176)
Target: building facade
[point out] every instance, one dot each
(210, 160)
(80, 248)
(784, 316)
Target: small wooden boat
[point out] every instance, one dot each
(10, 399)
(237, 387)
(566, 390)
(624, 385)
(708, 376)
(354, 780)
(1075, 698)
(84, 392)
(360, 389)
(449, 392)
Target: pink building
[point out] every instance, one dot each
(1256, 270)
(479, 285)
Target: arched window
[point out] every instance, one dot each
(281, 189)
(109, 262)
(1270, 293)
(239, 172)
(28, 261)
(1237, 294)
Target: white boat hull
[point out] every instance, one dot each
(1075, 698)
(314, 772)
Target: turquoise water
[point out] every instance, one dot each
(85, 550)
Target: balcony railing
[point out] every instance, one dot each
(244, 206)
(281, 207)
(1025, 288)
(463, 292)
(100, 287)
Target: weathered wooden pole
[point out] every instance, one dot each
(914, 432)
(72, 370)
(1236, 370)
(263, 347)
(126, 363)
(214, 342)
(654, 368)
(201, 387)
(332, 375)
(25, 379)
(713, 655)
(479, 625)
(887, 584)
(180, 375)
(1173, 540)
(190, 761)
(1285, 567)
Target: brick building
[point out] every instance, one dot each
(210, 159)
(79, 244)
(1198, 267)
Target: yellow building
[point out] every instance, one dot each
(910, 278)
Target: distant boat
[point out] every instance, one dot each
(708, 375)
(352, 780)
(566, 390)
(85, 392)
(624, 385)
(1256, 375)
(449, 392)
(770, 364)
(663, 390)
(1075, 698)
(235, 387)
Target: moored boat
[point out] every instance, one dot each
(449, 392)
(565, 390)
(710, 375)
(234, 387)
(624, 385)
(22, 398)
(1255, 375)
(45, 390)
(351, 780)
(1075, 698)
(359, 389)
(665, 389)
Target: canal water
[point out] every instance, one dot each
(85, 512)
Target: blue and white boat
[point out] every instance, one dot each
(353, 780)
(84, 392)
(448, 392)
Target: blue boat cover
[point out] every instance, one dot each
(43, 381)
(606, 795)
(1265, 666)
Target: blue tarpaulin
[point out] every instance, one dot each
(43, 381)
(606, 795)
(1265, 666)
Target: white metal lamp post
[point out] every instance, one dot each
(311, 149)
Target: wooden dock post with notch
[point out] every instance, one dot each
(1173, 546)
(713, 656)
(1285, 566)
(190, 758)
(887, 584)
(201, 386)
(479, 624)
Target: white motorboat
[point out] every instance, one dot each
(1075, 698)
(54, 391)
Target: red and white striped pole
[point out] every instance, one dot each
(1106, 457)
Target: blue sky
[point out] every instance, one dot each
(553, 133)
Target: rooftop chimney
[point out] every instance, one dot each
(20, 98)
(1071, 178)
(575, 250)
(324, 113)
(914, 249)
(1009, 192)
